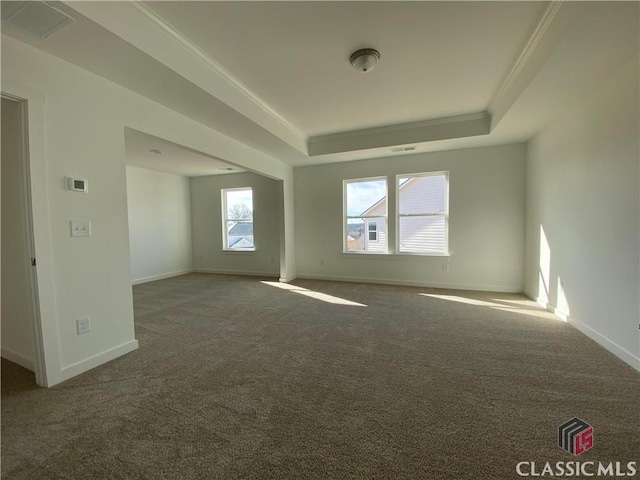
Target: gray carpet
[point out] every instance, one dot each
(236, 378)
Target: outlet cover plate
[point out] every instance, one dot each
(83, 325)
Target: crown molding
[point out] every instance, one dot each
(144, 29)
(400, 126)
(532, 44)
(165, 27)
(523, 69)
(402, 134)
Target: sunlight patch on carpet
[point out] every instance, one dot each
(497, 305)
(316, 295)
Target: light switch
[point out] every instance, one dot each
(80, 228)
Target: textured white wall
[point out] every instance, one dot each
(17, 311)
(486, 229)
(159, 207)
(206, 219)
(583, 214)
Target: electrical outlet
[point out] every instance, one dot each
(445, 267)
(83, 325)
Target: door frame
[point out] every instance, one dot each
(35, 196)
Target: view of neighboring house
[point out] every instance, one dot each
(240, 235)
(422, 218)
(374, 238)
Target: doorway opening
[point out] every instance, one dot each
(20, 312)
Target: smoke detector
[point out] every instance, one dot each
(365, 60)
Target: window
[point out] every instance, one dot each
(365, 215)
(237, 219)
(423, 213)
(373, 231)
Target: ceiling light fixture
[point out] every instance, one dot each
(365, 60)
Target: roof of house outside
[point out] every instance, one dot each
(384, 199)
(241, 242)
(241, 229)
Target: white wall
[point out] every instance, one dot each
(286, 206)
(17, 311)
(486, 229)
(206, 220)
(83, 129)
(159, 207)
(583, 193)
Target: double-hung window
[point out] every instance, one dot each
(237, 219)
(365, 215)
(423, 213)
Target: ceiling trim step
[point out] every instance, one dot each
(403, 134)
(147, 31)
(551, 27)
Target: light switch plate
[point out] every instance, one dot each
(80, 228)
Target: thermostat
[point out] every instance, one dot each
(77, 184)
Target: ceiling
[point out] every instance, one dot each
(438, 59)
(276, 75)
(153, 153)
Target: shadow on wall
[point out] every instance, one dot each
(546, 282)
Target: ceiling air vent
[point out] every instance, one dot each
(37, 18)
(403, 149)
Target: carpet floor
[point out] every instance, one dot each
(245, 378)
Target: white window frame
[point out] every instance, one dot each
(444, 214)
(225, 220)
(345, 217)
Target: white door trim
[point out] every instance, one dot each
(45, 329)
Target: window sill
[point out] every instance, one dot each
(393, 256)
(233, 251)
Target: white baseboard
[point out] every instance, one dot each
(18, 359)
(96, 360)
(550, 308)
(597, 337)
(236, 272)
(386, 281)
(287, 279)
(153, 278)
(614, 348)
